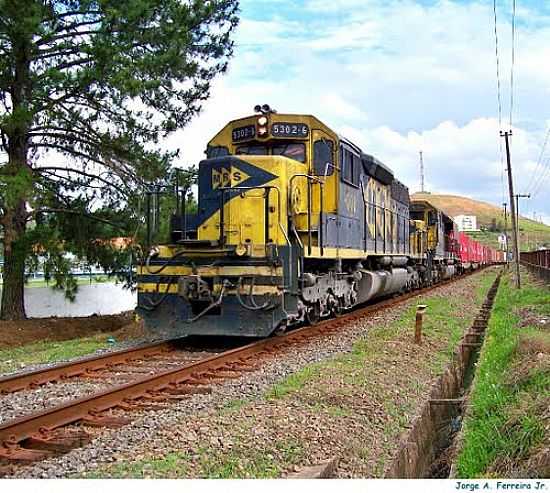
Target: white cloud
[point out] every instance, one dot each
(395, 76)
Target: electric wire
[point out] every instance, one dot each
(513, 61)
(499, 101)
(545, 174)
(499, 98)
(539, 167)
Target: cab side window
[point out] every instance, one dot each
(322, 154)
(350, 164)
(216, 151)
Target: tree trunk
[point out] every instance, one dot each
(13, 296)
(14, 218)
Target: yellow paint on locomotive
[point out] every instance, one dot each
(216, 289)
(418, 238)
(244, 215)
(216, 270)
(245, 219)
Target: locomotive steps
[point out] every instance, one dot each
(425, 451)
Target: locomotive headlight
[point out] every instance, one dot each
(241, 250)
(262, 121)
(262, 131)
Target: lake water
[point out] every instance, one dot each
(102, 299)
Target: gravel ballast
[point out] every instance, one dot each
(353, 414)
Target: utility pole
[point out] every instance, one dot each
(421, 173)
(506, 136)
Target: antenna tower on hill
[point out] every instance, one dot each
(421, 173)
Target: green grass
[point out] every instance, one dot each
(234, 405)
(172, 465)
(209, 463)
(48, 352)
(295, 381)
(444, 320)
(504, 424)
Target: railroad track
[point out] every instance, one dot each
(136, 360)
(86, 367)
(42, 434)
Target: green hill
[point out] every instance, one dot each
(490, 220)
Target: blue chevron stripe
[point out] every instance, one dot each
(209, 197)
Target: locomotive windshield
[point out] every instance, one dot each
(292, 150)
(253, 150)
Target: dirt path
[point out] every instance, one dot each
(20, 333)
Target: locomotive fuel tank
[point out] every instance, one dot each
(374, 284)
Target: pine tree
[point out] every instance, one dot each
(96, 84)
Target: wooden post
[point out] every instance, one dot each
(420, 309)
(515, 229)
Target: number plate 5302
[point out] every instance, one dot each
(296, 130)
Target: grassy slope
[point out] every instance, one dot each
(453, 205)
(504, 436)
(50, 351)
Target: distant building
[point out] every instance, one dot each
(466, 223)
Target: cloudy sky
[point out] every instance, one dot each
(396, 77)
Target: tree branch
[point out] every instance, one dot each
(83, 173)
(73, 63)
(46, 40)
(117, 171)
(79, 213)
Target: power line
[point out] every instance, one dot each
(545, 173)
(499, 99)
(498, 67)
(533, 181)
(513, 60)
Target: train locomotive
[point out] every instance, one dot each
(294, 223)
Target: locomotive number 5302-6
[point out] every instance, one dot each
(282, 129)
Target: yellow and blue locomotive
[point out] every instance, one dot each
(293, 223)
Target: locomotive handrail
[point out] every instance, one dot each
(310, 180)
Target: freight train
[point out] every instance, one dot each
(294, 223)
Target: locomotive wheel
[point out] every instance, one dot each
(313, 314)
(339, 308)
(281, 329)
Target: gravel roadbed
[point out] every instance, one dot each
(119, 346)
(24, 402)
(210, 420)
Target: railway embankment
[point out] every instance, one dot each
(350, 396)
(30, 343)
(506, 429)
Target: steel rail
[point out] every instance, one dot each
(14, 432)
(20, 381)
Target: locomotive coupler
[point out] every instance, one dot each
(194, 288)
